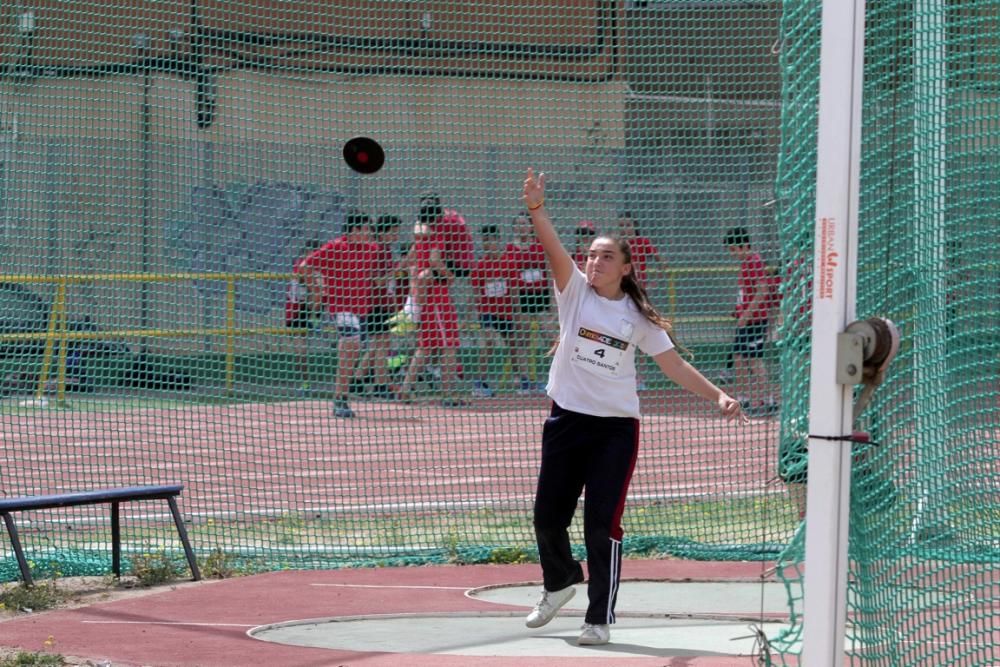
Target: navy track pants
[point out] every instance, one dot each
(597, 454)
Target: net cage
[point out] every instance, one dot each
(184, 280)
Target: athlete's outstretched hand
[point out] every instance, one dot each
(560, 262)
(731, 408)
(534, 190)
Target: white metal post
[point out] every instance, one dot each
(833, 304)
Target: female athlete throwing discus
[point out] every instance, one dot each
(591, 438)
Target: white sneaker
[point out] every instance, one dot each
(547, 606)
(594, 635)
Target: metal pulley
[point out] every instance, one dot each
(864, 351)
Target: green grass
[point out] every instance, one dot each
(232, 548)
(24, 659)
(736, 528)
(43, 595)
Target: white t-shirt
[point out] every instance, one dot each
(593, 369)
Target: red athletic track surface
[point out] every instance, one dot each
(294, 457)
(205, 624)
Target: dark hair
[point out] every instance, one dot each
(430, 208)
(737, 236)
(310, 245)
(638, 294)
(628, 214)
(489, 230)
(355, 219)
(386, 223)
(586, 231)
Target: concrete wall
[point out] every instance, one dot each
(168, 157)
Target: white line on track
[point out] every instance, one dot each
(432, 588)
(202, 625)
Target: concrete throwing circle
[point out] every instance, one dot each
(647, 625)
(723, 599)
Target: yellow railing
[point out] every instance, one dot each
(57, 329)
(672, 275)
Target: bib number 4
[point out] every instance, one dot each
(598, 353)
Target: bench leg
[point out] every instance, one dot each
(16, 543)
(116, 541)
(182, 531)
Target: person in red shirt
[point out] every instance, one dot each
(388, 294)
(753, 307)
(339, 277)
(495, 283)
(645, 256)
(534, 300)
(437, 321)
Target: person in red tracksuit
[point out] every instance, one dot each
(645, 256)
(388, 295)
(495, 284)
(437, 322)
(644, 253)
(591, 437)
(339, 277)
(754, 302)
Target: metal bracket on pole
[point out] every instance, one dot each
(864, 351)
(850, 357)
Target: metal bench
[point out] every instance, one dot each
(115, 497)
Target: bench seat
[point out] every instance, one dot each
(112, 496)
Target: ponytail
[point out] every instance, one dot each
(640, 298)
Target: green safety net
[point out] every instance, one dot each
(166, 167)
(923, 525)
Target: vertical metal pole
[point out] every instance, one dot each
(116, 540)
(834, 292)
(57, 319)
(15, 543)
(182, 532)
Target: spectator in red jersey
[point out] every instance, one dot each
(388, 294)
(753, 307)
(437, 323)
(339, 277)
(495, 284)
(300, 314)
(534, 301)
(644, 254)
(585, 233)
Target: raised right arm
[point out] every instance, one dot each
(560, 260)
